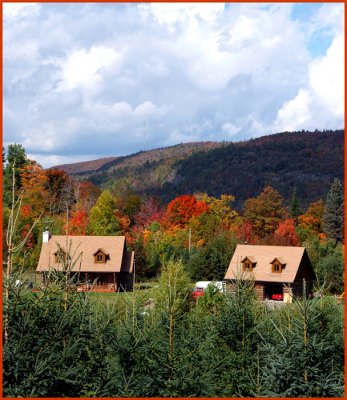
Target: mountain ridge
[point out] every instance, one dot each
(308, 161)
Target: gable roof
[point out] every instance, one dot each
(289, 256)
(87, 246)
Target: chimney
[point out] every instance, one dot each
(45, 236)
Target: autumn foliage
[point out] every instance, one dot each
(183, 208)
(285, 234)
(78, 224)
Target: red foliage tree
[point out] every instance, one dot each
(149, 212)
(78, 223)
(245, 233)
(285, 234)
(183, 208)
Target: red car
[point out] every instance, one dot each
(277, 296)
(197, 292)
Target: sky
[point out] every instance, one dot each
(85, 81)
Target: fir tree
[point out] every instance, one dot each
(333, 216)
(17, 159)
(295, 209)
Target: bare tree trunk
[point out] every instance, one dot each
(9, 243)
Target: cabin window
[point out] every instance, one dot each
(100, 257)
(60, 256)
(247, 266)
(276, 267)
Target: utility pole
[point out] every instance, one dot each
(189, 239)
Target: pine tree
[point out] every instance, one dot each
(17, 159)
(333, 216)
(295, 209)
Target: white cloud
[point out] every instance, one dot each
(84, 68)
(294, 113)
(111, 79)
(230, 129)
(169, 14)
(322, 99)
(327, 77)
(12, 10)
(328, 19)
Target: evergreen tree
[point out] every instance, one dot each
(103, 220)
(333, 216)
(15, 157)
(302, 350)
(295, 209)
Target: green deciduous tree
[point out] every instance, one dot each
(103, 220)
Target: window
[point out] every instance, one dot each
(276, 267)
(60, 256)
(100, 257)
(247, 265)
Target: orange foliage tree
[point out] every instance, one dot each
(265, 211)
(285, 234)
(35, 196)
(312, 219)
(183, 208)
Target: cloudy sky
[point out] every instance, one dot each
(85, 81)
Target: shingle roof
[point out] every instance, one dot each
(86, 246)
(263, 256)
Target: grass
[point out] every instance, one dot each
(113, 297)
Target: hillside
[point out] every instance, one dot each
(308, 161)
(159, 161)
(86, 166)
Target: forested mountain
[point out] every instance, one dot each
(307, 161)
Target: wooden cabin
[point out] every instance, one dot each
(99, 263)
(278, 272)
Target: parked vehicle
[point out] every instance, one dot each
(200, 287)
(277, 296)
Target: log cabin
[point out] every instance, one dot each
(278, 272)
(100, 263)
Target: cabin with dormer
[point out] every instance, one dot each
(100, 263)
(278, 272)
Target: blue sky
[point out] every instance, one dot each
(85, 81)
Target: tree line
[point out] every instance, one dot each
(201, 230)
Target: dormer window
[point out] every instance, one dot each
(248, 264)
(100, 257)
(60, 256)
(277, 265)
